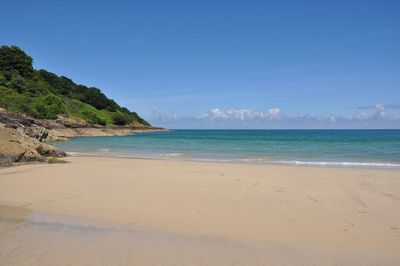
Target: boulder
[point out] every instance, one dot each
(37, 132)
(16, 146)
(72, 122)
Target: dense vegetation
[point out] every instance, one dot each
(45, 95)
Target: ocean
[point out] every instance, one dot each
(358, 148)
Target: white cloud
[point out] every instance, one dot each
(380, 107)
(373, 112)
(163, 116)
(239, 114)
(274, 112)
(373, 116)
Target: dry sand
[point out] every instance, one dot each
(115, 211)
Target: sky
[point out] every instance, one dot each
(223, 64)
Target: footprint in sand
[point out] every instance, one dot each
(312, 199)
(390, 196)
(357, 199)
(350, 223)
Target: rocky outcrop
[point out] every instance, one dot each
(72, 122)
(36, 132)
(64, 128)
(21, 139)
(16, 146)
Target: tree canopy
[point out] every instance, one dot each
(13, 59)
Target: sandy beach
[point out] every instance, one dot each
(166, 212)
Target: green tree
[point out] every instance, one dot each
(13, 59)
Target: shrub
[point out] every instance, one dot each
(53, 159)
(48, 107)
(93, 118)
(121, 119)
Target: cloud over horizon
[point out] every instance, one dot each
(239, 114)
(372, 116)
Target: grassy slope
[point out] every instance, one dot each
(42, 94)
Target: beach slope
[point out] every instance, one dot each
(160, 212)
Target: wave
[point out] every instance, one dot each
(259, 160)
(171, 154)
(355, 164)
(103, 150)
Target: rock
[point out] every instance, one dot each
(21, 121)
(14, 120)
(37, 132)
(16, 146)
(50, 151)
(54, 137)
(73, 122)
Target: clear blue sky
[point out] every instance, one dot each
(189, 64)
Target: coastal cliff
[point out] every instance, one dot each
(38, 106)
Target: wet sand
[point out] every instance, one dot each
(154, 212)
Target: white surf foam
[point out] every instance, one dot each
(355, 164)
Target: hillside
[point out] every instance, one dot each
(45, 95)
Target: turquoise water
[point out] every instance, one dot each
(373, 148)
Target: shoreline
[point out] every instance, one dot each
(67, 133)
(282, 147)
(245, 161)
(22, 138)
